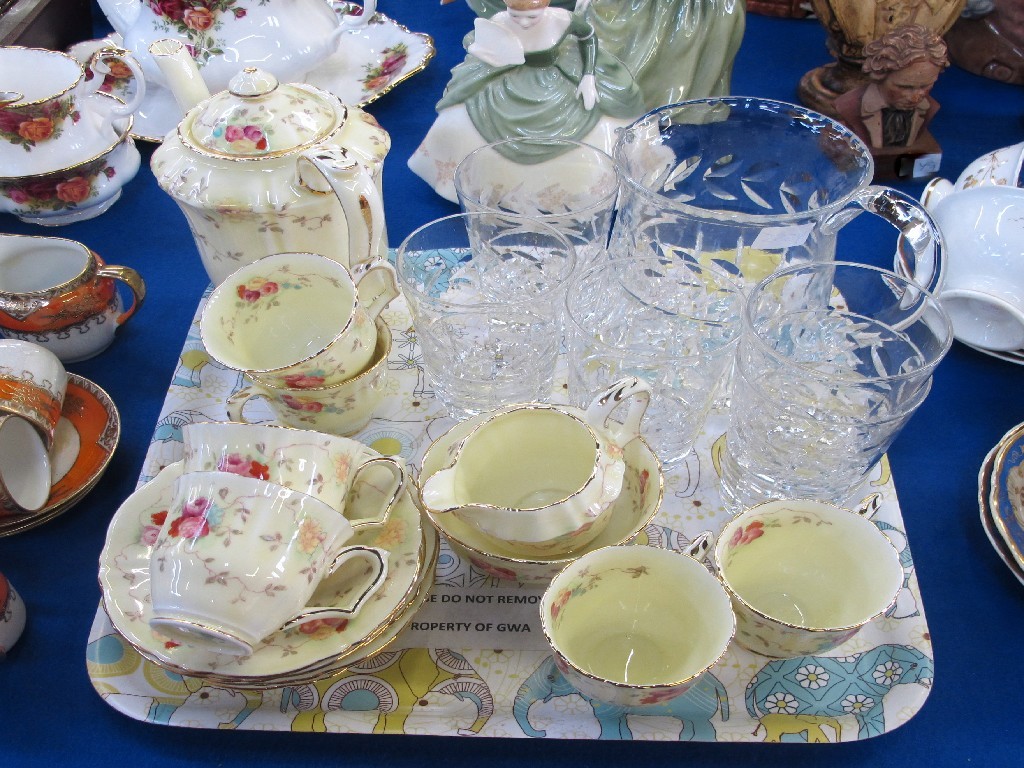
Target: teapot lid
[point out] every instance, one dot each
(258, 117)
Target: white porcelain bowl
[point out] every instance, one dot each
(983, 230)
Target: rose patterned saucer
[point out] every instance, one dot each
(314, 648)
(86, 436)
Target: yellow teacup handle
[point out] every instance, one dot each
(236, 403)
(637, 391)
(376, 285)
(377, 561)
(394, 491)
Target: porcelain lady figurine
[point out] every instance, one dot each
(531, 71)
(676, 49)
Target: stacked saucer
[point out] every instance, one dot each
(1001, 499)
(84, 442)
(314, 650)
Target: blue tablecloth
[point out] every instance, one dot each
(975, 607)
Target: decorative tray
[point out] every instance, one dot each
(473, 661)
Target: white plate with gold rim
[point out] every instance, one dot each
(988, 524)
(124, 582)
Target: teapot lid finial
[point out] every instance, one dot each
(251, 82)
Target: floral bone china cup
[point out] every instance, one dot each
(32, 385)
(324, 466)
(805, 576)
(343, 409)
(295, 320)
(238, 558)
(62, 296)
(537, 477)
(50, 115)
(634, 625)
(75, 192)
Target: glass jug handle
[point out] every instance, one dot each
(919, 253)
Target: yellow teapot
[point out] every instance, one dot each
(265, 167)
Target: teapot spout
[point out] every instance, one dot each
(180, 70)
(121, 14)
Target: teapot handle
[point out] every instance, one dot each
(351, 21)
(601, 408)
(357, 192)
(98, 64)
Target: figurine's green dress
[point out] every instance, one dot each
(675, 49)
(538, 98)
(535, 99)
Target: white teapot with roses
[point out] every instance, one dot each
(287, 37)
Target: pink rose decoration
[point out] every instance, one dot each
(192, 527)
(233, 133)
(149, 535)
(252, 133)
(196, 507)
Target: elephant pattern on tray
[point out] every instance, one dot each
(694, 709)
(828, 688)
(392, 683)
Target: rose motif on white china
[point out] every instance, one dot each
(198, 21)
(29, 126)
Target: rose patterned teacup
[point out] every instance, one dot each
(238, 558)
(32, 385)
(805, 576)
(62, 296)
(343, 409)
(77, 190)
(634, 625)
(297, 320)
(50, 115)
(327, 467)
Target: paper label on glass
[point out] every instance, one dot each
(773, 238)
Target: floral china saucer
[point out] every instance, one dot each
(636, 506)
(370, 61)
(1006, 497)
(124, 582)
(86, 437)
(987, 522)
